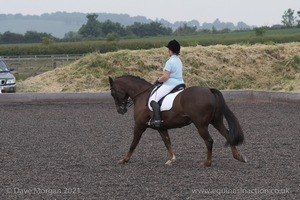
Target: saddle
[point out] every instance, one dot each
(166, 102)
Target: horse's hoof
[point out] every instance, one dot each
(206, 163)
(243, 159)
(122, 161)
(170, 162)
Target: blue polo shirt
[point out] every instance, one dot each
(174, 66)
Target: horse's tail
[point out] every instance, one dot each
(236, 135)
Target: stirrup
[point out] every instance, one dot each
(156, 124)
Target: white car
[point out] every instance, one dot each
(7, 79)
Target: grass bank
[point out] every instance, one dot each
(262, 67)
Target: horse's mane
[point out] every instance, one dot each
(132, 76)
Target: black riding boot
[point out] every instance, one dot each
(156, 121)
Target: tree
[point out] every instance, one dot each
(47, 40)
(72, 36)
(185, 30)
(11, 38)
(111, 27)
(110, 37)
(35, 37)
(92, 28)
(152, 29)
(260, 31)
(288, 18)
(298, 21)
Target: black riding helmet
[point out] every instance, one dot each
(174, 46)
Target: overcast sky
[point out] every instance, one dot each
(252, 12)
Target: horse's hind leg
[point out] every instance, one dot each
(236, 154)
(203, 131)
(223, 130)
(165, 137)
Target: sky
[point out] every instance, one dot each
(252, 12)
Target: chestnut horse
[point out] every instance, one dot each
(198, 105)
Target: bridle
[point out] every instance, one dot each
(130, 101)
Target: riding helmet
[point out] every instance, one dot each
(174, 46)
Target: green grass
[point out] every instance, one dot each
(295, 63)
(204, 39)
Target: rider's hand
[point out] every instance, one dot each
(158, 83)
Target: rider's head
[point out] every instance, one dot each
(174, 46)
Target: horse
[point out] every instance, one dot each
(198, 105)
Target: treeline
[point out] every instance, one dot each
(29, 37)
(113, 31)
(92, 30)
(95, 29)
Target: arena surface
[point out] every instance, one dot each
(69, 151)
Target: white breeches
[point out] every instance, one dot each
(161, 92)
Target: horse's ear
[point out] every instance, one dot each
(111, 82)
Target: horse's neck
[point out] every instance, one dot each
(135, 88)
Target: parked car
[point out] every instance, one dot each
(7, 79)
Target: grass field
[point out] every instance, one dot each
(204, 39)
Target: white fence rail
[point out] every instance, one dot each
(36, 64)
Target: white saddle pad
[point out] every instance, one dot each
(167, 102)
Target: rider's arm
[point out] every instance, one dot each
(164, 77)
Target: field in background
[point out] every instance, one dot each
(103, 46)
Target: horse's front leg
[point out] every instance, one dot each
(165, 137)
(137, 134)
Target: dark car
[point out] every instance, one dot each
(7, 79)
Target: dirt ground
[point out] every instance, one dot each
(70, 152)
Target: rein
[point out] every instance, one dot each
(131, 100)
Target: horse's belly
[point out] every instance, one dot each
(176, 122)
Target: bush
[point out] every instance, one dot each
(112, 37)
(260, 31)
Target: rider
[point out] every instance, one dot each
(171, 77)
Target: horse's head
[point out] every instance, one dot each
(119, 95)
